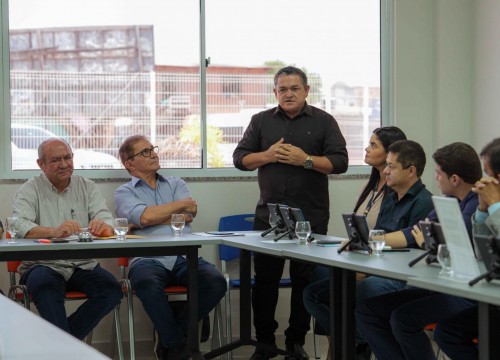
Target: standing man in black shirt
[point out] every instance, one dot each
(294, 146)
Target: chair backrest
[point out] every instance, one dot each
(12, 269)
(240, 222)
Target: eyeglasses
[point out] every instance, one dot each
(146, 152)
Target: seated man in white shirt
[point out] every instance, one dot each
(58, 204)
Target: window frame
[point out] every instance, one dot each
(6, 173)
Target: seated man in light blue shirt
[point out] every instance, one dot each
(148, 200)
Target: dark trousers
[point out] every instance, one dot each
(268, 272)
(455, 334)
(48, 289)
(149, 279)
(393, 323)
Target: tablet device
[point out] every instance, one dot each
(356, 224)
(486, 249)
(289, 221)
(297, 214)
(274, 210)
(433, 236)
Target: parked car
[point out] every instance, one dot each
(26, 139)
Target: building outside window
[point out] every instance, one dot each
(96, 77)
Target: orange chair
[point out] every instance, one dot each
(19, 293)
(169, 290)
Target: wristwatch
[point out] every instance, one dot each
(308, 162)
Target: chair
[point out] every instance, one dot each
(169, 290)
(19, 293)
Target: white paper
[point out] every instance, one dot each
(457, 238)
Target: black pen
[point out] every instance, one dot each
(73, 214)
(396, 250)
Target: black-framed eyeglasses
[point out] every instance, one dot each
(146, 152)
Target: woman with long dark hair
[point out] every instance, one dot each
(316, 295)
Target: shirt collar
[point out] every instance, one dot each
(413, 191)
(306, 110)
(53, 188)
(135, 180)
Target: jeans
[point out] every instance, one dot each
(149, 279)
(48, 289)
(317, 296)
(393, 323)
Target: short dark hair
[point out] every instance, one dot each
(487, 148)
(291, 70)
(459, 159)
(127, 147)
(494, 159)
(410, 153)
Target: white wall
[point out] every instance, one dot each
(446, 84)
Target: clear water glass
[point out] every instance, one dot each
(121, 228)
(444, 259)
(303, 231)
(376, 241)
(177, 223)
(12, 227)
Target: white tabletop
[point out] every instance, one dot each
(24, 335)
(390, 264)
(482, 291)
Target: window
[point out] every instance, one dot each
(94, 79)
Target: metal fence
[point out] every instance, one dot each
(99, 110)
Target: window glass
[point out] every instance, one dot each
(104, 71)
(110, 69)
(336, 42)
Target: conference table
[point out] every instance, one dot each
(188, 245)
(487, 296)
(24, 335)
(343, 268)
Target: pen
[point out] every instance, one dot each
(73, 214)
(43, 241)
(396, 250)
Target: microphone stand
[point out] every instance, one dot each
(489, 275)
(420, 257)
(354, 238)
(278, 226)
(288, 232)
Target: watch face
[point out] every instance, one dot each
(308, 164)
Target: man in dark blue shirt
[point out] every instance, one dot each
(409, 203)
(394, 323)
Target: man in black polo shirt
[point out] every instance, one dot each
(294, 146)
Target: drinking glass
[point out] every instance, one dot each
(303, 231)
(444, 259)
(376, 241)
(121, 228)
(177, 223)
(12, 227)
